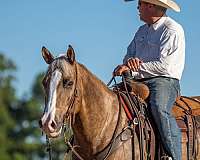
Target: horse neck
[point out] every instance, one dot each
(96, 97)
(98, 109)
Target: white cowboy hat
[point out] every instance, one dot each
(164, 3)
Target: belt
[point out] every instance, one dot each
(149, 78)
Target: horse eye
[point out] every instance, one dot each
(67, 83)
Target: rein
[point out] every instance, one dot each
(115, 142)
(104, 153)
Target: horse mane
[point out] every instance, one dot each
(87, 72)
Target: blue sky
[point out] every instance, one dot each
(99, 31)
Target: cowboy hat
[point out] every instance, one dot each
(164, 3)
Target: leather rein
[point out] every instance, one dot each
(106, 151)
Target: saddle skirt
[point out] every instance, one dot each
(186, 105)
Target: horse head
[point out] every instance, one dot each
(60, 90)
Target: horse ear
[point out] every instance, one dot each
(48, 57)
(71, 54)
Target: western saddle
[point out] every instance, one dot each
(186, 110)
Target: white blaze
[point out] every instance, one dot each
(50, 109)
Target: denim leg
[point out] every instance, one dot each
(163, 93)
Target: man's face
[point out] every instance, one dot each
(144, 12)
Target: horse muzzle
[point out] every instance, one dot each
(50, 127)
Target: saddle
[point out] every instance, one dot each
(186, 110)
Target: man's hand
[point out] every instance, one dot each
(120, 69)
(134, 64)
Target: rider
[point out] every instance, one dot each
(156, 56)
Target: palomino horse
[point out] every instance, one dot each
(73, 92)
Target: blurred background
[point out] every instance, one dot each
(99, 31)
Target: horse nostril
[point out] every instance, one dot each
(53, 125)
(40, 123)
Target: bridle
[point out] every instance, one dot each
(71, 107)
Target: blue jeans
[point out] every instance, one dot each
(163, 93)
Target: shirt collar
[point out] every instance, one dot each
(157, 24)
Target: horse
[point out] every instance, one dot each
(99, 125)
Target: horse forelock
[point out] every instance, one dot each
(62, 63)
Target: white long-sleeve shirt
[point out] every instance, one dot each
(161, 47)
